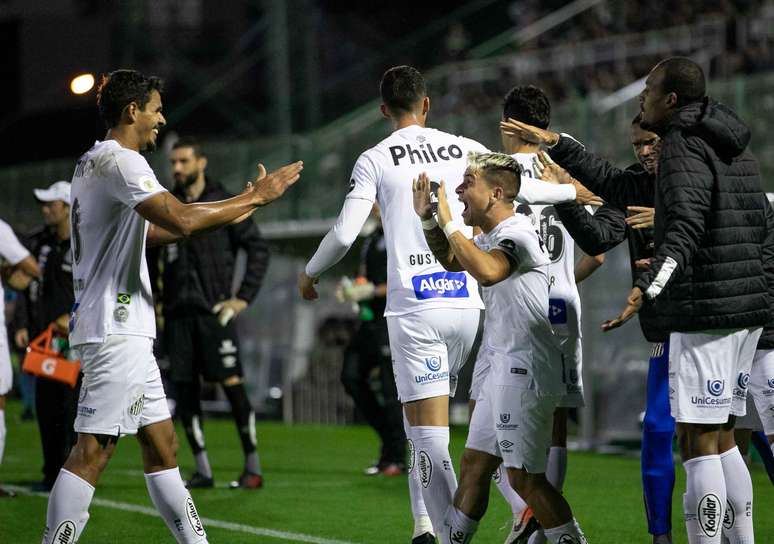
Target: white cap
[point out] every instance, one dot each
(58, 191)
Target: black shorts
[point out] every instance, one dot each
(197, 345)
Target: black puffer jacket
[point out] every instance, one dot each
(707, 272)
(766, 340)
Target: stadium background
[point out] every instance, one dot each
(274, 81)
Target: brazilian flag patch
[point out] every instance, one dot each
(124, 298)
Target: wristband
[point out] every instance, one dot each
(429, 224)
(450, 228)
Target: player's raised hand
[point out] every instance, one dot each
(269, 187)
(306, 286)
(551, 172)
(444, 212)
(422, 200)
(633, 305)
(642, 218)
(585, 197)
(528, 133)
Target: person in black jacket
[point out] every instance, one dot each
(706, 282)
(599, 233)
(47, 301)
(199, 307)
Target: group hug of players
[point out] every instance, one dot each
(457, 217)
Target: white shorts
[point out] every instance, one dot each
(121, 390)
(760, 394)
(708, 374)
(572, 358)
(511, 421)
(6, 372)
(429, 348)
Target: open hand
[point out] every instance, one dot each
(528, 133)
(642, 218)
(548, 170)
(268, 188)
(585, 197)
(444, 212)
(423, 204)
(633, 305)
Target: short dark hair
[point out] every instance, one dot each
(402, 87)
(120, 88)
(193, 143)
(528, 104)
(683, 77)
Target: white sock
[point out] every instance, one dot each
(556, 467)
(422, 523)
(2, 434)
(569, 533)
(68, 508)
(203, 464)
(704, 499)
(458, 529)
(737, 521)
(174, 503)
(435, 471)
(515, 501)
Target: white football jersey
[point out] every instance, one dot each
(516, 324)
(415, 280)
(12, 252)
(110, 273)
(564, 300)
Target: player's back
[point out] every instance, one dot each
(110, 274)
(416, 281)
(564, 310)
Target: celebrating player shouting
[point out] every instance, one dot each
(432, 314)
(511, 423)
(115, 195)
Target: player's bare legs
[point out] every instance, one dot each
(158, 443)
(90, 456)
(476, 469)
(549, 506)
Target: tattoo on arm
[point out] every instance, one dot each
(439, 245)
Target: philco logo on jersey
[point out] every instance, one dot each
(425, 154)
(709, 514)
(440, 285)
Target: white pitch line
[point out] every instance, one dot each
(208, 522)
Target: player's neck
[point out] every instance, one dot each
(496, 216)
(195, 190)
(521, 147)
(124, 136)
(408, 120)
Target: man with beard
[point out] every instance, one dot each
(199, 308)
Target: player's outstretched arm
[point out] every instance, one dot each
(177, 220)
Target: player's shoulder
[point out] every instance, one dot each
(518, 228)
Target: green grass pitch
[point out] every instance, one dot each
(315, 492)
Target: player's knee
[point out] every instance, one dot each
(477, 465)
